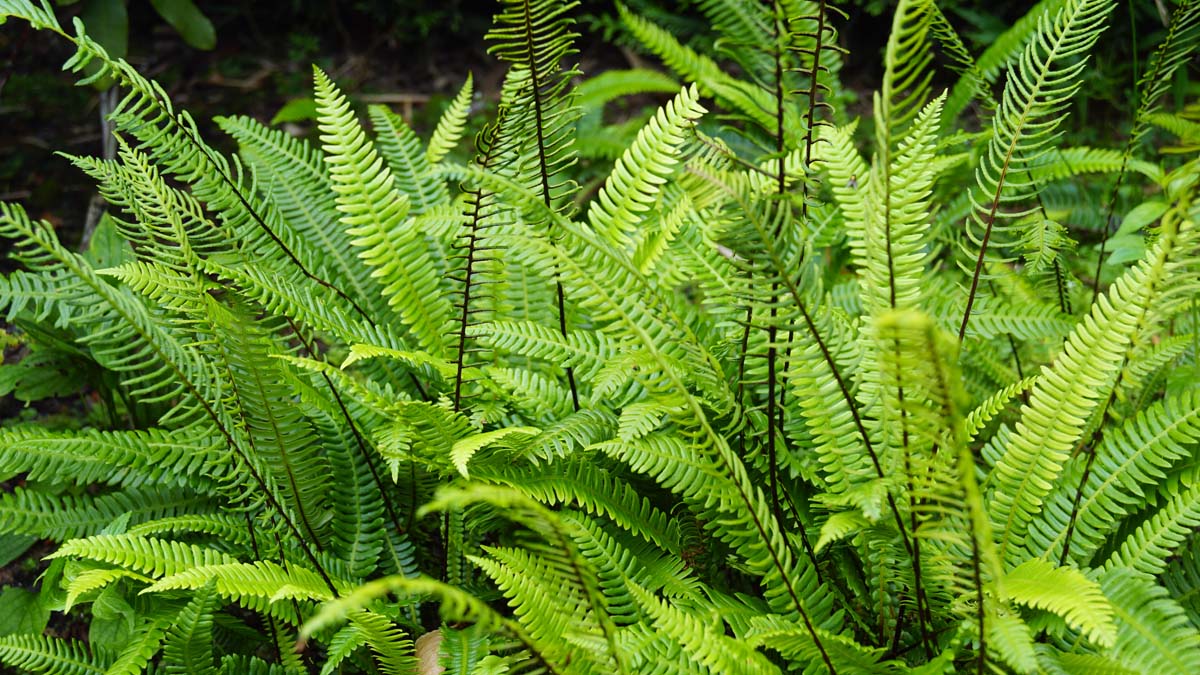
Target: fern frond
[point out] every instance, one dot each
(552, 589)
(134, 658)
(127, 458)
(281, 437)
(1005, 49)
(1066, 592)
(593, 490)
(702, 644)
(59, 517)
(375, 211)
(1182, 580)
(255, 584)
(342, 646)
(450, 125)
(37, 653)
(122, 335)
(188, 647)
(401, 149)
(292, 175)
(1041, 85)
(633, 186)
(1132, 458)
(1168, 526)
(535, 36)
(392, 648)
(91, 580)
(1153, 633)
(1067, 392)
(898, 211)
(146, 555)
(465, 448)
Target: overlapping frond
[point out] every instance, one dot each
(1132, 458)
(1041, 83)
(1066, 394)
(376, 214)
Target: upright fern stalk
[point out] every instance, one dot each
(535, 36)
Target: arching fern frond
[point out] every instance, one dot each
(1063, 398)
(450, 125)
(38, 653)
(633, 187)
(1042, 82)
(1131, 459)
(376, 213)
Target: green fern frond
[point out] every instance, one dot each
(610, 85)
(361, 507)
(92, 580)
(585, 351)
(1177, 46)
(256, 584)
(633, 186)
(1009, 636)
(702, 644)
(1153, 633)
(553, 592)
(284, 443)
(1182, 580)
(292, 175)
(146, 555)
(450, 125)
(59, 517)
(375, 212)
(127, 458)
(39, 16)
(1076, 161)
(587, 487)
(987, 410)
(1131, 459)
(898, 211)
(1059, 663)
(137, 654)
(1004, 50)
(1048, 73)
(1168, 526)
(694, 67)
(457, 604)
(401, 149)
(618, 559)
(240, 664)
(1063, 399)
(187, 647)
(392, 648)
(794, 645)
(126, 339)
(342, 646)
(37, 653)
(535, 36)
(907, 74)
(465, 448)
(1066, 592)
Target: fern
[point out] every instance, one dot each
(374, 210)
(728, 406)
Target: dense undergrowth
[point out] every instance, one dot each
(750, 401)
